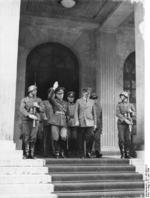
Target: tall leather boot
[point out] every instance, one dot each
(63, 148)
(75, 147)
(122, 151)
(56, 149)
(32, 147)
(127, 151)
(26, 151)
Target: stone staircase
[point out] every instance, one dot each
(25, 178)
(66, 178)
(21, 178)
(95, 178)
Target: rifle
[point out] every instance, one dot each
(34, 112)
(129, 121)
(34, 108)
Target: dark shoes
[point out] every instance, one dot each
(98, 155)
(58, 155)
(31, 157)
(88, 155)
(127, 156)
(26, 157)
(62, 155)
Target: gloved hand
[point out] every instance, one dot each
(55, 85)
(33, 117)
(35, 104)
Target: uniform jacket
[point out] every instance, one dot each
(122, 111)
(99, 117)
(59, 109)
(85, 113)
(48, 111)
(71, 114)
(26, 108)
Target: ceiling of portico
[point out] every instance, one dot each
(88, 12)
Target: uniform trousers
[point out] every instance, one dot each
(30, 132)
(85, 133)
(124, 137)
(72, 139)
(97, 140)
(59, 136)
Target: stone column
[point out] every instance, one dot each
(20, 91)
(9, 28)
(139, 46)
(106, 88)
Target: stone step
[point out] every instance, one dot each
(75, 161)
(17, 189)
(11, 155)
(136, 193)
(7, 145)
(50, 195)
(139, 164)
(25, 179)
(97, 186)
(95, 177)
(22, 162)
(85, 169)
(23, 170)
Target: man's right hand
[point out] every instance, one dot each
(55, 85)
(33, 117)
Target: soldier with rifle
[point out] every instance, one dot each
(30, 108)
(125, 112)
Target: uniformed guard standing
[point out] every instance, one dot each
(124, 112)
(72, 129)
(58, 121)
(85, 118)
(30, 109)
(98, 130)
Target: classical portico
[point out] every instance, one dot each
(100, 46)
(94, 43)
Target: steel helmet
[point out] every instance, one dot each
(124, 93)
(31, 88)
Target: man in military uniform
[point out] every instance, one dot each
(98, 130)
(30, 109)
(124, 112)
(85, 118)
(58, 121)
(72, 129)
(47, 128)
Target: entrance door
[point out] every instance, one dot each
(129, 77)
(52, 62)
(46, 64)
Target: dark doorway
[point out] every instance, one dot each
(129, 77)
(49, 62)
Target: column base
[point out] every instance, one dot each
(110, 150)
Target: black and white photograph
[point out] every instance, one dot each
(74, 95)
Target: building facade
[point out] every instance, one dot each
(90, 45)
